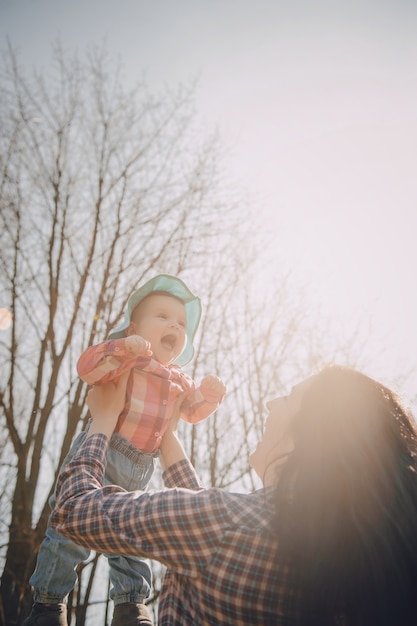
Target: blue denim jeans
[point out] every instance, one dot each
(130, 577)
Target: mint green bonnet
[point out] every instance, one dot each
(175, 287)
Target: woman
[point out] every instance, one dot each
(330, 539)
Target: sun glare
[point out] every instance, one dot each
(6, 319)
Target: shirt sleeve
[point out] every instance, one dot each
(180, 528)
(182, 474)
(104, 362)
(198, 408)
(108, 360)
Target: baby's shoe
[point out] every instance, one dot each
(131, 614)
(47, 615)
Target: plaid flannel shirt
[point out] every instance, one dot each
(221, 558)
(152, 390)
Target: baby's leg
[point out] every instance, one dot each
(131, 469)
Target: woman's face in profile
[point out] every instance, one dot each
(276, 442)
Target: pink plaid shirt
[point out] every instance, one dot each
(152, 390)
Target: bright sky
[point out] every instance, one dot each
(319, 99)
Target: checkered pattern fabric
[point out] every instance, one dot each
(221, 557)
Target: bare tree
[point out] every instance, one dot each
(100, 188)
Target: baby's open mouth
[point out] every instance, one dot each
(169, 341)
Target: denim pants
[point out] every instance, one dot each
(130, 577)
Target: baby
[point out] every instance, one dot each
(151, 344)
(155, 338)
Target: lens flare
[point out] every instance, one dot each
(6, 319)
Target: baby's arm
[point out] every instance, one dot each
(106, 361)
(213, 389)
(137, 346)
(205, 400)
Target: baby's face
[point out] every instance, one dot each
(161, 320)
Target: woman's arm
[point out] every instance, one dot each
(181, 528)
(176, 466)
(178, 527)
(106, 403)
(171, 448)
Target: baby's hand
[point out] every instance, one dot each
(138, 346)
(212, 388)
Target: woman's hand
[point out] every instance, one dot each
(106, 402)
(171, 449)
